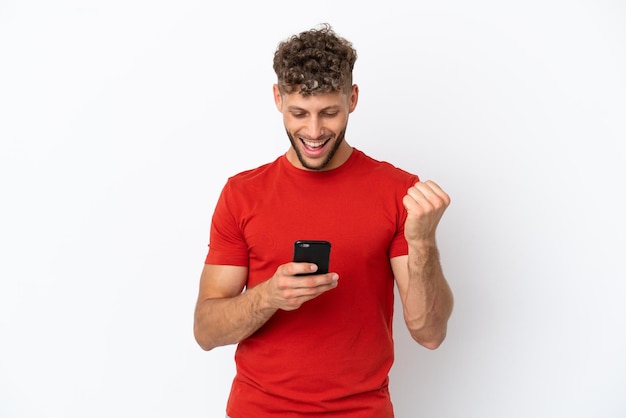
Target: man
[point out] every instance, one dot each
(320, 344)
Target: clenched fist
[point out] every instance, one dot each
(425, 204)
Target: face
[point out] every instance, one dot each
(316, 126)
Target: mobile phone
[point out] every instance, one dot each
(313, 251)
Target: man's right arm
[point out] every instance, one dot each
(225, 314)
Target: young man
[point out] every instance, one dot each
(321, 344)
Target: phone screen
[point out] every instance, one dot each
(313, 251)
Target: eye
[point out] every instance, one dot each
(298, 115)
(330, 114)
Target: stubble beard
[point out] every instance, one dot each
(329, 156)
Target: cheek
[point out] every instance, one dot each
(291, 126)
(338, 125)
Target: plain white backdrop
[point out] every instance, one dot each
(121, 120)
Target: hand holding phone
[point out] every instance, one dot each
(313, 251)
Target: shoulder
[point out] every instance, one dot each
(254, 172)
(384, 170)
(253, 177)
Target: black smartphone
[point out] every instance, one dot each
(313, 251)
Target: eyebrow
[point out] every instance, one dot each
(327, 108)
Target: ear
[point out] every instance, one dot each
(278, 99)
(354, 97)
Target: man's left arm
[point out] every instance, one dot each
(426, 296)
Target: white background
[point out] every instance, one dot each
(121, 120)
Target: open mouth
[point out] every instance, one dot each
(314, 147)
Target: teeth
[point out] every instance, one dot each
(313, 144)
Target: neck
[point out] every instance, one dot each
(342, 154)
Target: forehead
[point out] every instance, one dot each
(315, 101)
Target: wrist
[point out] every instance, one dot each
(262, 298)
(422, 244)
(422, 252)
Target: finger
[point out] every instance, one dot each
(318, 280)
(293, 269)
(418, 195)
(411, 205)
(435, 188)
(305, 288)
(429, 195)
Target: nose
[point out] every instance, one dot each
(315, 127)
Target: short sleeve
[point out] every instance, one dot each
(227, 245)
(399, 245)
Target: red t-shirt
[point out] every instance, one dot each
(331, 356)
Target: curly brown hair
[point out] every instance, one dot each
(314, 62)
